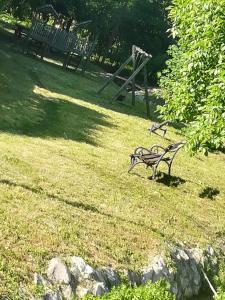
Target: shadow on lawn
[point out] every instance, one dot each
(90, 95)
(209, 192)
(169, 180)
(45, 117)
(25, 112)
(92, 85)
(28, 113)
(80, 205)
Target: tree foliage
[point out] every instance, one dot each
(193, 85)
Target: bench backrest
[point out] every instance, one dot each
(41, 32)
(174, 147)
(161, 153)
(84, 46)
(171, 151)
(63, 40)
(60, 39)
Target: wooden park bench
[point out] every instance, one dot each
(47, 38)
(41, 35)
(155, 127)
(63, 42)
(154, 156)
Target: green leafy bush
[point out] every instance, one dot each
(221, 296)
(193, 85)
(219, 281)
(158, 291)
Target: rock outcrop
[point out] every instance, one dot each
(182, 268)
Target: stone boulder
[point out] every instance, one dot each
(58, 271)
(108, 276)
(86, 279)
(182, 269)
(156, 270)
(53, 296)
(188, 272)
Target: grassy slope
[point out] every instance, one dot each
(64, 186)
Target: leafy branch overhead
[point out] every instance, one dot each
(193, 85)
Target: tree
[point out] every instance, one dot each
(193, 85)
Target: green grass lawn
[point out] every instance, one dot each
(64, 186)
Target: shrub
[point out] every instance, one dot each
(221, 296)
(219, 281)
(157, 291)
(193, 85)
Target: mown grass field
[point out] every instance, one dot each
(64, 186)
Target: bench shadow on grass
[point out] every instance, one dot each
(169, 180)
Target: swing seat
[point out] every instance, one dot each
(154, 156)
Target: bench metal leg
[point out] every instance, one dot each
(169, 171)
(66, 60)
(134, 164)
(154, 169)
(164, 132)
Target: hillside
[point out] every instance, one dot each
(64, 186)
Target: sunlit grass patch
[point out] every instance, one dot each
(64, 186)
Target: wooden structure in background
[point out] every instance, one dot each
(139, 59)
(51, 37)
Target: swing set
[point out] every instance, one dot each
(139, 59)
